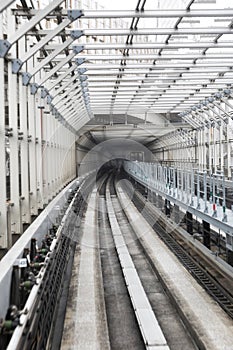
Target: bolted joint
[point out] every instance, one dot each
(226, 120)
(74, 14)
(16, 65)
(54, 111)
(76, 34)
(44, 92)
(34, 87)
(26, 78)
(80, 61)
(82, 70)
(20, 135)
(4, 47)
(83, 77)
(57, 115)
(49, 99)
(9, 132)
(84, 84)
(77, 49)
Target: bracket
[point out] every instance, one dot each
(26, 78)
(5, 46)
(57, 114)
(76, 34)
(80, 61)
(83, 77)
(54, 111)
(16, 65)
(49, 99)
(77, 49)
(82, 70)
(44, 92)
(83, 84)
(74, 14)
(34, 87)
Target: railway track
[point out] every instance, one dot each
(140, 310)
(206, 274)
(117, 240)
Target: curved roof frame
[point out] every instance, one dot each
(81, 72)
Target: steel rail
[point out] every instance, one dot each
(203, 277)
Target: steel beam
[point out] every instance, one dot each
(50, 57)
(143, 31)
(156, 45)
(51, 84)
(157, 66)
(164, 57)
(40, 15)
(39, 45)
(164, 13)
(4, 4)
(55, 69)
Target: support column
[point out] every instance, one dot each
(221, 155)
(3, 208)
(16, 222)
(189, 222)
(206, 234)
(167, 207)
(44, 156)
(38, 149)
(32, 149)
(230, 257)
(23, 115)
(160, 202)
(176, 213)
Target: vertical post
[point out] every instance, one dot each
(178, 183)
(198, 189)
(23, 115)
(167, 207)
(204, 149)
(205, 192)
(38, 118)
(224, 219)
(182, 184)
(206, 234)
(214, 150)
(44, 156)
(187, 186)
(32, 148)
(3, 207)
(189, 222)
(48, 155)
(210, 149)
(228, 150)
(16, 221)
(221, 147)
(214, 199)
(176, 214)
(192, 187)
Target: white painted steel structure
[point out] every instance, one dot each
(61, 66)
(182, 186)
